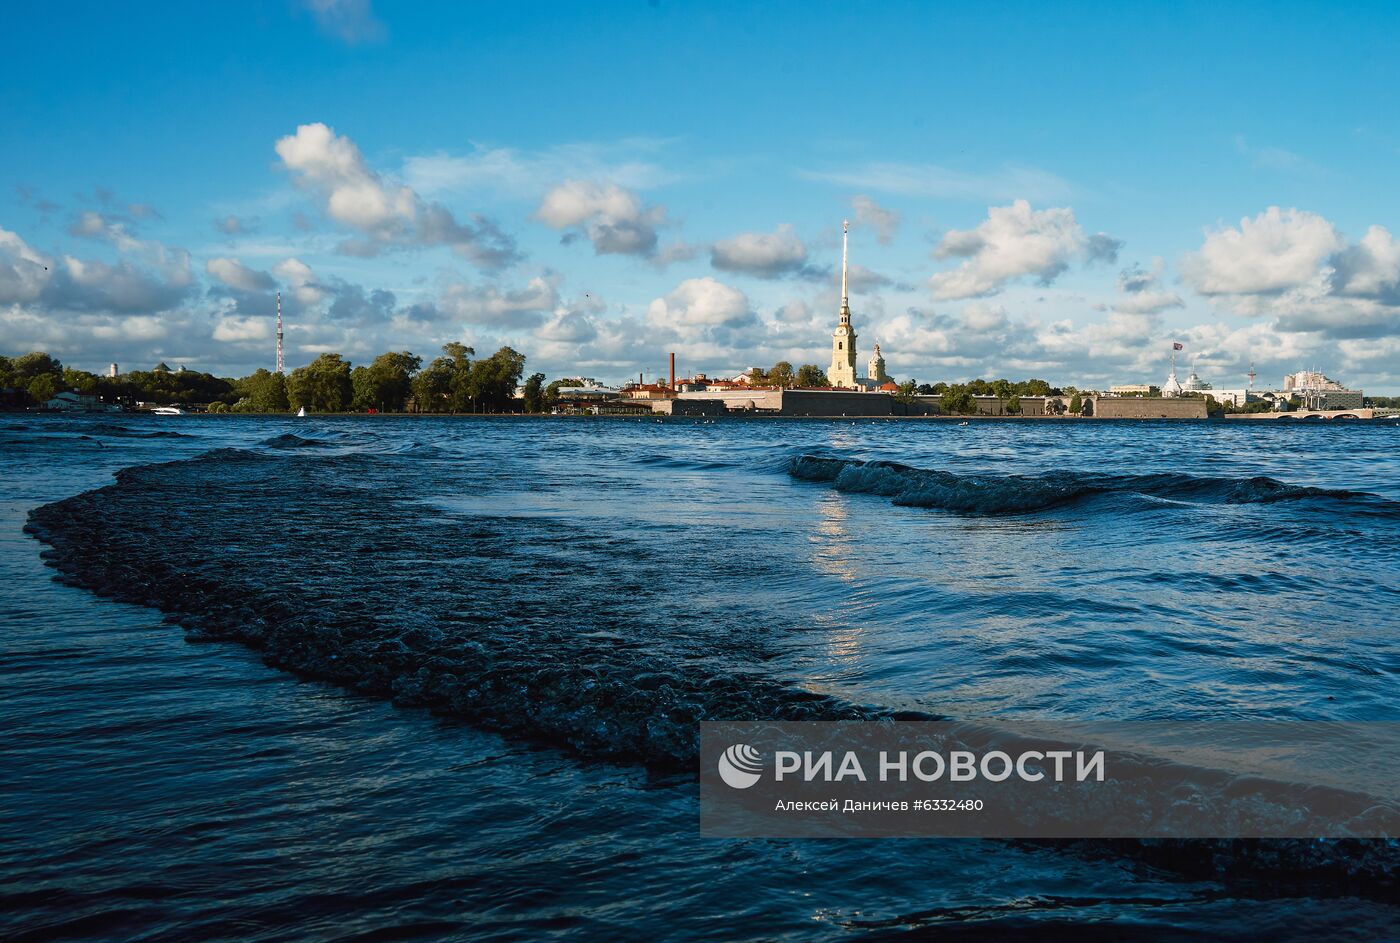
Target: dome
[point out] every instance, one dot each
(1194, 383)
(1171, 387)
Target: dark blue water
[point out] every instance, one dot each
(453, 669)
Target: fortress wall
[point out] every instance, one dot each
(689, 407)
(838, 403)
(1148, 407)
(739, 400)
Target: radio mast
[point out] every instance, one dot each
(281, 364)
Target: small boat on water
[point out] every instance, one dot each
(168, 411)
(302, 412)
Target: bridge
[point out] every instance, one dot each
(1358, 413)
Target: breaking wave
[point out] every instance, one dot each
(126, 432)
(1015, 494)
(327, 565)
(289, 441)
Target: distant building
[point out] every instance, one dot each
(648, 391)
(1235, 397)
(843, 340)
(701, 382)
(597, 401)
(876, 374)
(70, 402)
(1194, 384)
(1310, 380)
(112, 370)
(1132, 389)
(1317, 391)
(1333, 399)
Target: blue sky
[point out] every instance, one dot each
(1035, 190)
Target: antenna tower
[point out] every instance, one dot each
(281, 364)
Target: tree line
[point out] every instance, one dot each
(397, 381)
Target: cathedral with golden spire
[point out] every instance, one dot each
(843, 339)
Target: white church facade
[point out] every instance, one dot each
(842, 373)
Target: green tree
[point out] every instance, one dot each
(362, 389)
(460, 393)
(809, 374)
(42, 388)
(534, 393)
(177, 386)
(781, 375)
(81, 381)
(322, 385)
(958, 401)
(386, 383)
(432, 386)
(493, 380)
(34, 364)
(1076, 404)
(38, 374)
(263, 391)
(906, 391)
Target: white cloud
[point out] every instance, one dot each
(980, 316)
(384, 213)
(233, 225)
(352, 21)
(1013, 242)
(168, 264)
(568, 327)
(933, 181)
(1269, 254)
(1369, 268)
(488, 304)
(24, 273)
(701, 303)
(239, 330)
(1268, 157)
(1296, 268)
(612, 217)
(297, 275)
(863, 279)
(234, 274)
(1141, 291)
(529, 174)
(883, 221)
(766, 255)
(157, 278)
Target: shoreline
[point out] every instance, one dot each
(1286, 418)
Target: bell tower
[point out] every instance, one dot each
(876, 374)
(843, 339)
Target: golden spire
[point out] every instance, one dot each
(845, 228)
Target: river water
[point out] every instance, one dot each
(420, 678)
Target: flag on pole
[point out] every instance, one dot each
(1178, 347)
